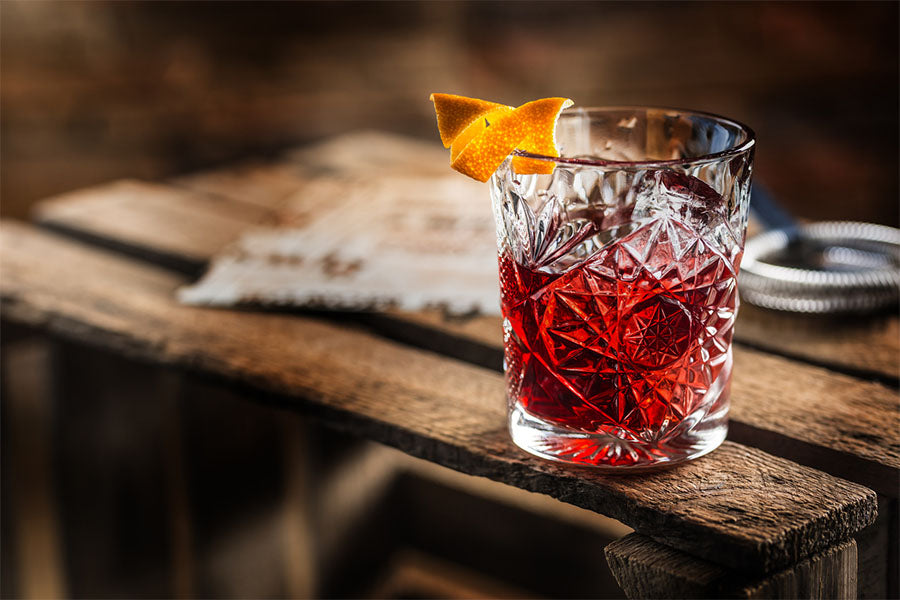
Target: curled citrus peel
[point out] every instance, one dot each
(482, 134)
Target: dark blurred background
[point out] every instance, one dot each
(95, 91)
(140, 494)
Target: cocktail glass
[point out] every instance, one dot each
(619, 285)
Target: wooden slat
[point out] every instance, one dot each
(739, 506)
(371, 153)
(811, 415)
(646, 569)
(815, 416)
(868, 347)
(874, 549)
(865, 347)
(828, 420)
(178, 227)
(267, 185)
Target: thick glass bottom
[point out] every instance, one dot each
(606, 452)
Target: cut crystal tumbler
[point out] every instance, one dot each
(618, 277)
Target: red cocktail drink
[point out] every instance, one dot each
(619, 345)
(619, 310)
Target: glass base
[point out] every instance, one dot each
(610, 453)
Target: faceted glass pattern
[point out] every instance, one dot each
(618, 284)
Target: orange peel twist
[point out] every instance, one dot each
(481, 134)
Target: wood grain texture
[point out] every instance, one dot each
(874, 554)
(267, 185)
(739, 506)
(810, 415)
(646, 569)
(371, 153)
(865, 346)
(163, 220)
(828, 420)
(869, 347)
(815, 416)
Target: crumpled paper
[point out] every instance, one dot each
(382, 223)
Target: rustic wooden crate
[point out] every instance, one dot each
(748, 519)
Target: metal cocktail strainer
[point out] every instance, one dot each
(828, 267)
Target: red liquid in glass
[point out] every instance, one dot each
(627, 342)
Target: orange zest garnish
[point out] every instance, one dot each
(482, 134)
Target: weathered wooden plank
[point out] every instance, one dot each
(361, 154)
(740, 507)
(865, 346)
(869, 347)
(810, 415)
(371, 153)
(818, 417)
(646, 569)
(175, 226)
(267, 185)
(830, 574)
(874, 554)
(821, 418)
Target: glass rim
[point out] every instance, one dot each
(744, 146)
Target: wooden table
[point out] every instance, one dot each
(801, 501)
